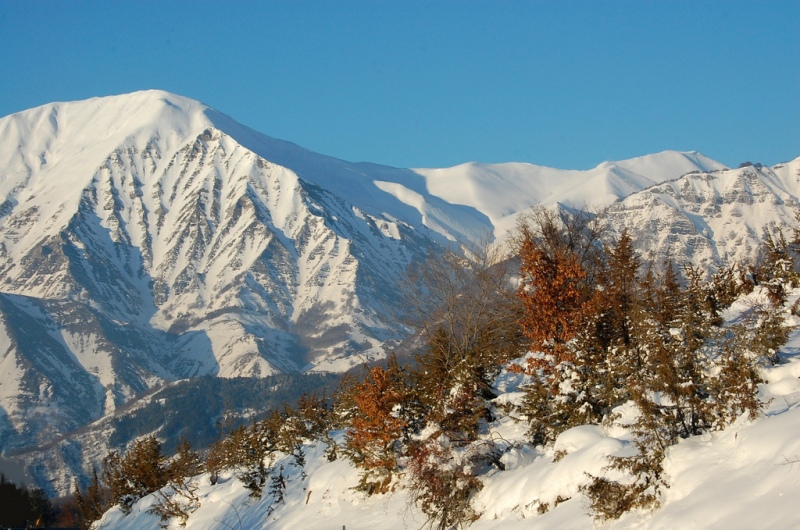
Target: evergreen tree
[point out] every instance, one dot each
(775, 266)
(257, 446)
(314, 412)
(186, 462)
(344, 406)
(277, 488)
(299, 455)
(142, 470)
(726, 286)
(682, 387)
(92, 502)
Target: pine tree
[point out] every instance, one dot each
(681, 389)
(299, 455)
(726, 286)
(180, 499)
(186, 462)
(142, 470)
(609, 354)
(92, 502)
(276, 489)
(734, 388)
(344, 406)
(775, 268)
(258, 445)
(314, 412)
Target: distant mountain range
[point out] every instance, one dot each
(148, 238)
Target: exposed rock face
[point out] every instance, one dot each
(711, 219)
(167, 250)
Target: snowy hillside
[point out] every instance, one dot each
(745, 476)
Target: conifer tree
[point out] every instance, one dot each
(277, 487)
(92, 502)
(735, 387)
(683, 388)
(726, 286)
(142, 470)
(257, 446)
(775, 267)
(314, 412)
(344, 406)
(185, 463)
(609, 352)
(299, 455)
(180, 498)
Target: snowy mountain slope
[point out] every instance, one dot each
(502, 191)
(711, 218)
(66, 364)
(745, 476)
(182, 252)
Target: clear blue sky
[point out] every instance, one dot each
(436, 83)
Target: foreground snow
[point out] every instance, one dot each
(747, 476)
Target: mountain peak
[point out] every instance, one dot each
(84, 132)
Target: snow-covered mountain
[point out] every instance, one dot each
(147, 238)
(503, 191)
(711, 219)
(140, 241)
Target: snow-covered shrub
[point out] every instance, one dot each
(442, 483)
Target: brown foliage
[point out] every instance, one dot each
(554, 294)
(560, 258)
(376, 428)
(91, 503)
(142, 470)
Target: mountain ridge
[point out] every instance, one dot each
(147, 237)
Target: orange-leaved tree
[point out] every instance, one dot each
(554, 295)
(376, 428)
(560, 263)
(559, 255)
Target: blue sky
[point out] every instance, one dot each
(435, 83)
